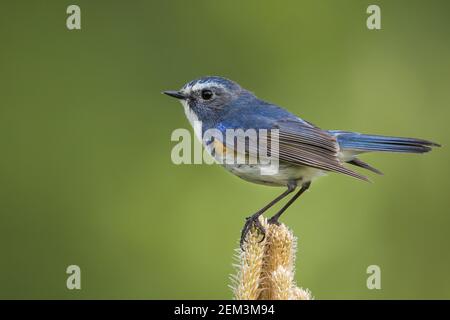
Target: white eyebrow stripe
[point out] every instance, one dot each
(200, 86)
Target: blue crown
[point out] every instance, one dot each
(213, 80)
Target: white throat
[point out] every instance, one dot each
(193, 119)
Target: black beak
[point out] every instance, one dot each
(175, 94)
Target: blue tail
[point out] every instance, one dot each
(352, 141)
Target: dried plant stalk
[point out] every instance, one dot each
(265, 270)
(247, 282)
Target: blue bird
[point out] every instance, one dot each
(305, 151)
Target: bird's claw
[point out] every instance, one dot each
(252, 221)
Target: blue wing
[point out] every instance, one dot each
(300, 142)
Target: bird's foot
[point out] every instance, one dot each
(252, 221)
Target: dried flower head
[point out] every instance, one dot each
(247, 282)
(266, 269)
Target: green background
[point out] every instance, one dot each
(85, 169)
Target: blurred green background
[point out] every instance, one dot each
(85, 169)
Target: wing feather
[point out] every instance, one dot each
(301, 143)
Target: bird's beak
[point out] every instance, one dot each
(175, 94)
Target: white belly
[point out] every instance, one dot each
(286, 173)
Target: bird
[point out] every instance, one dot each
(305, 151)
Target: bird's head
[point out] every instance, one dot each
(208, 95)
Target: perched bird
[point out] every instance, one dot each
(304, 150)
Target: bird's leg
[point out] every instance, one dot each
(274, 219)
(253, 220)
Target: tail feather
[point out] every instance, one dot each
(352, 141)
(352, 144)
(359, 163)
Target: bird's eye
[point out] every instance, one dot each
(207, 94)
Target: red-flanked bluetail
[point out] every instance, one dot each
(304, 151)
